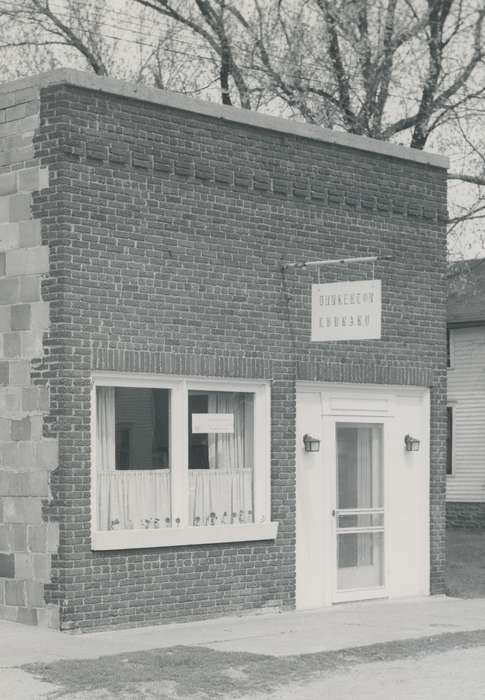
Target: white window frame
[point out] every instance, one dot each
(261, 529)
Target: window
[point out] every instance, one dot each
(450, 348)
(449, 440)
(179, 461)
(133, 465)
(221, 451)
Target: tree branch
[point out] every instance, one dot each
(472, 179)
(73, 39)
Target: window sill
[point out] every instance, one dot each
(174, 537)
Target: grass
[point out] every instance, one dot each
(466, 563)
(205, 674)
(202, 673)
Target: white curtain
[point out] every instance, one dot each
(105, 425)
(141, 498)
(138, 498)
(364, 489)
(223, 494)
(134, 499)
(232, 450)
(364, 468)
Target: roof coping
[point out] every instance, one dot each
(121, 88)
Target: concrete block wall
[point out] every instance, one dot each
(27, 541)
(166, 231)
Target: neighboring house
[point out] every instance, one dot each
(465, 487)
(183, 436)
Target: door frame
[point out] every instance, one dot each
(381, 403)
(337, 402)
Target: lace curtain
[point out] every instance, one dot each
(141, 498)
(134, 499)
(126, 498)
(223, 494)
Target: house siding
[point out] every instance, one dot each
(167, 231)
(466, 395)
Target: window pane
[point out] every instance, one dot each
(360, 560)
(360, 520)
(142, 428)
(133, 457)
(359, 466)
(221, 456)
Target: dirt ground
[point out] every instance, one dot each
(199, 673)
(466, 563)
(445, 665)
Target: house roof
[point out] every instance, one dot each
(69, 76)
(466, 291)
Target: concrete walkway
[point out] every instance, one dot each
(338, 627)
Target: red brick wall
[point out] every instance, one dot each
(167, 231)
(467, 515)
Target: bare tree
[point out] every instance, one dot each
(379, 68)
(410, 71)
(401, 70)
(100, 36)
(73, 31)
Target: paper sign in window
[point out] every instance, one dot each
(213, 422)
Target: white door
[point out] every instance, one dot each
(358, 459)
(362, 511)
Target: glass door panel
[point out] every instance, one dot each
(360, 506)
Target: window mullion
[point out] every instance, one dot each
(262, 455)
(179, 461)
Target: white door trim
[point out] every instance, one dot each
(402, 409)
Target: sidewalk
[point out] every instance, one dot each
(338, 627)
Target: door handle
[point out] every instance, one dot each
(333, 513)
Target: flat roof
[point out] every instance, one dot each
(121, 88)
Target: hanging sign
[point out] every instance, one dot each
(212, 422)
(346, 311)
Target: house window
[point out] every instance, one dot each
(133, 466)
(449, 440)
(221, 457)
(450, 349)
(178, 461)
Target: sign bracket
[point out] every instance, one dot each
(338, 261)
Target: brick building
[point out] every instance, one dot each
(159, 370)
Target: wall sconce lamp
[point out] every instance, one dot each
(412, 444)
(312, 444)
